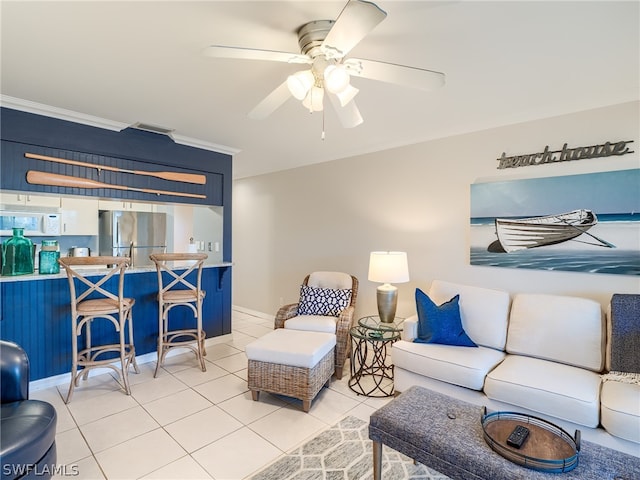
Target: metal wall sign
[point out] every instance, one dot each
(566, 154)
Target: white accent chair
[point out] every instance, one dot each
(287, 316)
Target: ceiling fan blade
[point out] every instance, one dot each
(349, 115)
(271, 102)
(221, 51)
(412, 77)
(354, 22)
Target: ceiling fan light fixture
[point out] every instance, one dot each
(336, 78)
(346, 95)
(325, 46)
(314, 99)
(300, 83)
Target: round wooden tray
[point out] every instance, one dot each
(548, 447)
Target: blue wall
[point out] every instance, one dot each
(35, 313)
(131, 149)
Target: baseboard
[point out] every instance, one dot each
(254, 313)
(63, 378)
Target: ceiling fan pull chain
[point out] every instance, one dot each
(322, 136)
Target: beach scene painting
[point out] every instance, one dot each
(580, 223)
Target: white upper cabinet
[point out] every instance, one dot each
(7, 200)
(79, 216)
(126, 206)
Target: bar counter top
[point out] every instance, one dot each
(93, 271)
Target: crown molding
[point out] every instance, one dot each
(77, 117)
(59, 113)
(194, 142)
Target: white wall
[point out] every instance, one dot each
(329, 216)
(202, 223)
(182, 218)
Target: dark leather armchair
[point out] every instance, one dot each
(28, 429)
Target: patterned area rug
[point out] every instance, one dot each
(344, 452)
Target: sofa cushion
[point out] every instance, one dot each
(555, 389)
(323, 301)
(558, 328)
(462, 366)
(312, 323)
(484, 312)
(440, 323)
(620, 409)
(291, 347)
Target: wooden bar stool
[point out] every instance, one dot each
(174, 289)
(95, 302)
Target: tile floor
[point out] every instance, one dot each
(189, 424)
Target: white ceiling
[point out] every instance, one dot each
(505, 62)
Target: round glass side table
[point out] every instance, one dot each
(371, 373)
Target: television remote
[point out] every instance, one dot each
(518, 436)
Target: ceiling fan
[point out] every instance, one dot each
(324, 45)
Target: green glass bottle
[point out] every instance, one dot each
(49, 255)
(17, 254)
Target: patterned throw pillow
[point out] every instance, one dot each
(323, 301)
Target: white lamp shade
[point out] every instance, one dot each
(388, 267)
(313, 100)
(336, 78)
(300, 83)
(347, 94)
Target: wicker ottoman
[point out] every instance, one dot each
(294, 363)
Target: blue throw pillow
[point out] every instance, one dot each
(440, 324)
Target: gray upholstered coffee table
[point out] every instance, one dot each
(445, 434)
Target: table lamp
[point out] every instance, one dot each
(387, 268)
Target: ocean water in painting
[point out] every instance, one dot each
(585, 253)
(612, 245)
(619, 262)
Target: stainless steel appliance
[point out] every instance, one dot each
(79, 252)
(132, 234)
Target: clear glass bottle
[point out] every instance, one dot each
(49, 255)
(17, 254)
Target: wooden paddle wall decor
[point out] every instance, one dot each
(35, 177)
(174, 176)
(77, 173)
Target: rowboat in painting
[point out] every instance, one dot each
(523, 233)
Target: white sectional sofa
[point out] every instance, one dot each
(539, 354)
(485, 315)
